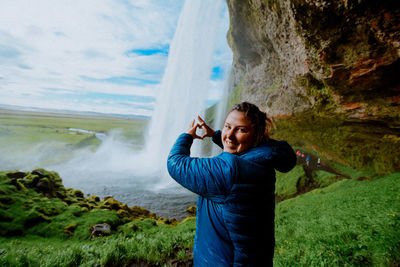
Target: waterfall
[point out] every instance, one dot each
(115, 168)
(183, 89)
(221, 110)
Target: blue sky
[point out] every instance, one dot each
(93, 55)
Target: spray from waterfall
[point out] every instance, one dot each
(181, 97)
(183, 90)
(221, 110)
(119, 168)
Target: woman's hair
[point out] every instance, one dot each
(259, 120)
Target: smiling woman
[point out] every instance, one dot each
(236, 202)
(238, 133)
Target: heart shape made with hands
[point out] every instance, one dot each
(201, 130)
(204, 129)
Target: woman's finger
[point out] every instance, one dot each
(203, 124)
(200, 119)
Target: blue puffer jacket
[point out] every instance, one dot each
(235, 207)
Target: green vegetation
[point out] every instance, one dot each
(297, 182)
(49, 138)
(32, 127)
(44, 224)
(350, 218)
(286, 185)
(349, 223)
(235, 95)
(359, 145)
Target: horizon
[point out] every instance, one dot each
(94, 57)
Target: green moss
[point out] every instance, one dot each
(273, 87)
(210, 114)
(360, 145)
(236, 94)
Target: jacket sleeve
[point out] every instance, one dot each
(216, 138)
(284, 158)
(208, 177)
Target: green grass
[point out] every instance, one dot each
(296, 182)
(324, 178)
(45, 139)
(349, 223)
(286, 183)
(51, 228)
(33, 127)
(346, 223)
(158, 245)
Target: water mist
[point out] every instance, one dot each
(184, 86)
(134, 176)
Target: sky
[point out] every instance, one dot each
(94, 55)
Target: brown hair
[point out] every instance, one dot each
(259, 120)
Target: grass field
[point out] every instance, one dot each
(40, 139)
(348, 223)
(352, 220)
(36, 126)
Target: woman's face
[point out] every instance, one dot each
(238, 133)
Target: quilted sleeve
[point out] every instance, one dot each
(216, 138)
(284, 157)
(208, 177)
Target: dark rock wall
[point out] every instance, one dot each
(326, 71)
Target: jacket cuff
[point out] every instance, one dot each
(216, 138)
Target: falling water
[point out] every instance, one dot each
(221, 110)
(184, 86)
(131, 176)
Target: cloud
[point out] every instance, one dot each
(75, 47)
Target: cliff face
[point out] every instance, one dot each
(326, 71)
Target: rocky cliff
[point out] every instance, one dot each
(326, 71)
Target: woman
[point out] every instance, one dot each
(235, 207)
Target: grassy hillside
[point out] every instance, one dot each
(348, 223)
(44, 224)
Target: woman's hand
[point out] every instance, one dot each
(208, 132)
(192, 130)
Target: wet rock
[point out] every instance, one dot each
(39, 173)
(122, 213)
(192, 210)
(43, 186)
(77, 193)
(95, 198)
(15, 175)
(112, 203)
(323, 65)
(139, 212)
(100, 229)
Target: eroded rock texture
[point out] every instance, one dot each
(327, 71)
